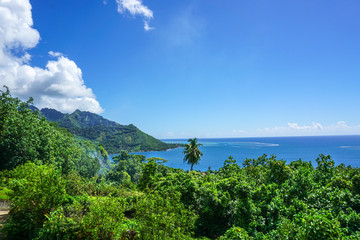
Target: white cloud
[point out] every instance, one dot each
(294, 129)
(147, 27)
(136, 7)
(341, 124)
(60, 85)
(55, 54)
(313, 126)
(238, 131)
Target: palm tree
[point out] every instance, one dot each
(192, 152)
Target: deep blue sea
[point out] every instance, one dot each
(343, 149)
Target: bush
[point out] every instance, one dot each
(27, 136)
(235, 233)
(36, 191)
(317, 225)
(163, 217)
(89, 218)
(4, 194)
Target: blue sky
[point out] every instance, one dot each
(204, 69)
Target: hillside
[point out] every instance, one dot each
(114, 136)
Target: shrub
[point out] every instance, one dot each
(317, 225)
(89, 218)
(36, 191)
(163, 217)
(235, 233)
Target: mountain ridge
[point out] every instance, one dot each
(114, 136)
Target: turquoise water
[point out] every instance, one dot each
(343, 149)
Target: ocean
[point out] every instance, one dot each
(343, 149)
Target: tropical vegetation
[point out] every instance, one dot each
(60, 187)
(113, 136)
(192, 152)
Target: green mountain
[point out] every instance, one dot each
(114, 136)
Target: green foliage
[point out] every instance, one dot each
(56, 194)
(112, 136)
(126, 165)
(88, 218)
(279, 172)
(192, 152)
(103, 152)
(317, 225)
(230, 167)
(235, 233)
(266, 199)
(36, 191)
(325, 168)
(76, 184)
(150, 172)
(43, 209)
(4, 193)
(356, 184)
(163, 217)
(26, 136)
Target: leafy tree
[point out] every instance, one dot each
(36, 191)
(192, 152)
(279, 172)
(325, 168)
(89, 218)
(150, 172)
(163, 216)
(317, 225)
(235, 233)
(90, 158)
(126, 165)
(230, 167)
(26, 136)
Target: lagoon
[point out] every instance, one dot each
(343, 149)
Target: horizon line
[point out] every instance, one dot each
(341, 135)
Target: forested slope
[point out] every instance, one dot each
(114, 136)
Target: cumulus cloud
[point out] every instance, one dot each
(295, 129)
(135, 8)
(60, 85)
